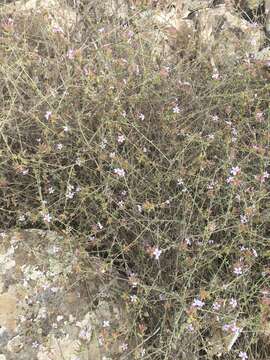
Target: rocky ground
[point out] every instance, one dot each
(52, 305)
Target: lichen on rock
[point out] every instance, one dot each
(49, 307)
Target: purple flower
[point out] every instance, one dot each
(233, 303)
(119, 172)
(238, 270)
(157, 253)
(47, 115)
(198, 303)
(243, 355)
(235, 170)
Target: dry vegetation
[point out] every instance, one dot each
(161, 169)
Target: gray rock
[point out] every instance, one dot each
(52, 305)
(263, 55)
(61, 16)
(226, 36)
(252, 4)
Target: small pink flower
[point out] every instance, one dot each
(215, 75)
(141, 116)
(123, 347)
(233, 303)
(238, 270)
(100, 226)
(226, 327)
(180, 182)
(229, 180)
(265, 176)
(119, 172)
(9, 22)
(47, 218)
(133, 298)
(259, 116)
(232, 327)
(85, 70)
(57, 29)
(25, 171)
(243, 219)
(121, 139)
(106, 323)
(71, 54)
(176, 109)
(243, 355)
(121, 204)
(235, 329)
(234, 132)
(255, 147)
(48, 115)
(235, 170)
(198, 303)
(254, 252)
(216, 306)
(157, 253)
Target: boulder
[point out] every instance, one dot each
(166, 32)
(227, 36)
(263, 55)
(56, 302)
(61, 16)
(252, 4)
(185, 7)
(114, 8)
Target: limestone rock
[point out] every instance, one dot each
(55, 304)
(167, 33)
(15, 345)
(252, 4)
(263, 55)
(60, 15)
(185, 7)
(114, 9)
(227, 36)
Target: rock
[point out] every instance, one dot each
(56, 304)
(61, 16)
(226, 36)
(220, 341)
(252, 4)
(263, 55)
(167, 33)
(15, 345)
(185, 7)
(8, 311)
(115, 9)
(218, 31)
